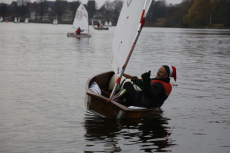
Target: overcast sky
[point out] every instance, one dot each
(99, 2)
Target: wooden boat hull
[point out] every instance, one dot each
(98, 104)
(82, 35)
(101, 28)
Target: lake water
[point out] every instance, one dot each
(42, 87)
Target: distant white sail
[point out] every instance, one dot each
(15, 20)
(26, 20)
(106, 24)
(126, 32)
(55, 21)
(1, 19)
(18, 20)
(81, 18)
(110, 23)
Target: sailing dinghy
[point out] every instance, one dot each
(15, 20)
(1, 19)
(110, 23)
(55, 22)
(81, 20)
(100, 98)
(26, 20)
(101, 27)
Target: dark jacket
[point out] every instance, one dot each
(152, 95)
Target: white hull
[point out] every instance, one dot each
(82, 35)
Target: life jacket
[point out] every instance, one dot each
(78, 31)
(167, 86)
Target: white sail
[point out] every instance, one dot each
(55, 21)
(26, 20)
(110, 23)
(18, 20)
(106, 24)
(1, 19)
(15, 20)
(126, 32)
(81, 18)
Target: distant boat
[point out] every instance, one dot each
(110, 24)
(101, 27)
(55, 22)
(18, 20)
(1, 19)
(81, 20)
(106, 24)
(15, 20)
(26, 20)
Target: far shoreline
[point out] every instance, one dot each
(114, 24)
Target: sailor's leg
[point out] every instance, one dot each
(131, 92)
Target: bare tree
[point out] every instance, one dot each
(116, 9)
(22, 8)
(59, 8)
(91, 8)
(4, 9)
(74, 6)
(41, 7)
(108, 10)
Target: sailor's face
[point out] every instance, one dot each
(161, 74)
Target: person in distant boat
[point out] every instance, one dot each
(78, 31)
(98, 24)
(154, 91)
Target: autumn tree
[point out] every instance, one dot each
(200, 12)
(173, 16)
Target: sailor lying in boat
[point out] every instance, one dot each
(154, 91)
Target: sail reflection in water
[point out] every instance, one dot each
(147, 134)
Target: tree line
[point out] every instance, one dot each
(190, 14)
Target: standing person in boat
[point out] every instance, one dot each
(98, 25)
(78, 31)
(154, 91)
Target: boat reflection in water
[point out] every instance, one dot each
(148, 134)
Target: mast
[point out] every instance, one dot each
(141, 24)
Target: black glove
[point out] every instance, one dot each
(146, 76)
(134, 78)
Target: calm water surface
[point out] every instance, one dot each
(42, 85)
